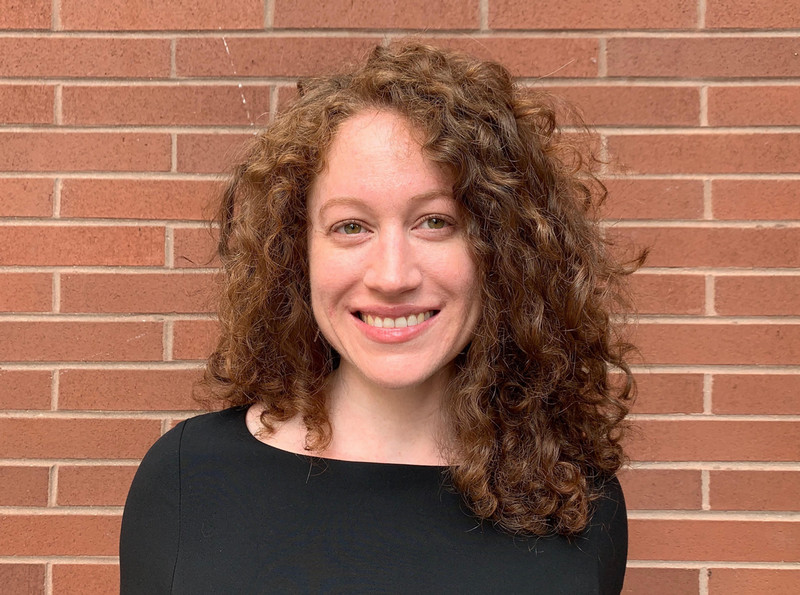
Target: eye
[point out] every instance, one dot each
(350, 228)
(435, 223)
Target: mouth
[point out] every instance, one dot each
(399, 322)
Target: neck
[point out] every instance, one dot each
(389, 425)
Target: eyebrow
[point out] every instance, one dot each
(357, 202)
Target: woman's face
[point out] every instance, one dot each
(393, 286)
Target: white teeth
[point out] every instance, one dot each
(401, 322)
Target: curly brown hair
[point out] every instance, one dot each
(536, 415)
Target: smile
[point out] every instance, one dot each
(401, 322)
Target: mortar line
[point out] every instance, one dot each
(58, 102)
(708, 205)
(483, 15)
(273, 103)
(55, 15)
(710, 286)
(57, 198)
(48, 578)
(705, 489)
(168, 340)
(269, 14)
(56, 289)
(708, 380)
(602, 57)
(52, 485)
(701, 21)
(173, 152)
(703, 583)
(173, 50)
(169, 247)
(704, 105)
(55, 386)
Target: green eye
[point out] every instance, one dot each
(436, 223)
(351, 228)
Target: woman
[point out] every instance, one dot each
(415, 349)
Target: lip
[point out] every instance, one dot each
(393, 335)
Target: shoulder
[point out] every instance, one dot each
(150, 532)
(608, 533)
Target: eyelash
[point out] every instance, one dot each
(339, 227)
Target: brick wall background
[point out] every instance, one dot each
(117, 115)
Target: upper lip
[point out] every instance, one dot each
(393, 311)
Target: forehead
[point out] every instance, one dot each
(377, 155)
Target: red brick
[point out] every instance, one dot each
(148, 293)
(22, 578)
(286, 95)
(23, 486)
(26, 292)
(753, 581)
(43, 438)
(25, 14)
(712, 247)
(657, 489)
(80, 341)
(653, 199)
(209, 153)
(128, 390)
(195, 248)
(754, 106)
(668, 294)
(756, 199)
(85, 245)
(631, 105)
(661, 581)
(25, 389)
(267, 56)
(194, 339)
(184, 105)
(600, 14)
(734, 541)
(752, 14)
(90, 485)
(553, 57)
(26, 197)
(305, 56)
(84, 151)
(59, 535)
(139, 199)
(724, 344)
(714, 440)
(669, 393)
(707, 153)
(84, 57)
(698, 57)
(757, 296)
(755, 490)
(26, 104)
(85, 579)
(364, 14)
(150, 15)
(765, 394)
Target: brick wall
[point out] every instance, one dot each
(117, 115)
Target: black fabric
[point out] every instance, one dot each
(213, 510)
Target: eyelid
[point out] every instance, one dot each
(449, 221)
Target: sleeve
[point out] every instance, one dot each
(611, 518)
(151, 521)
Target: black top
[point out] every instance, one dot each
(214, 510)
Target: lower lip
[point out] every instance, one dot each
(393, 335)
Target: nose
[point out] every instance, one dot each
(392, 266)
